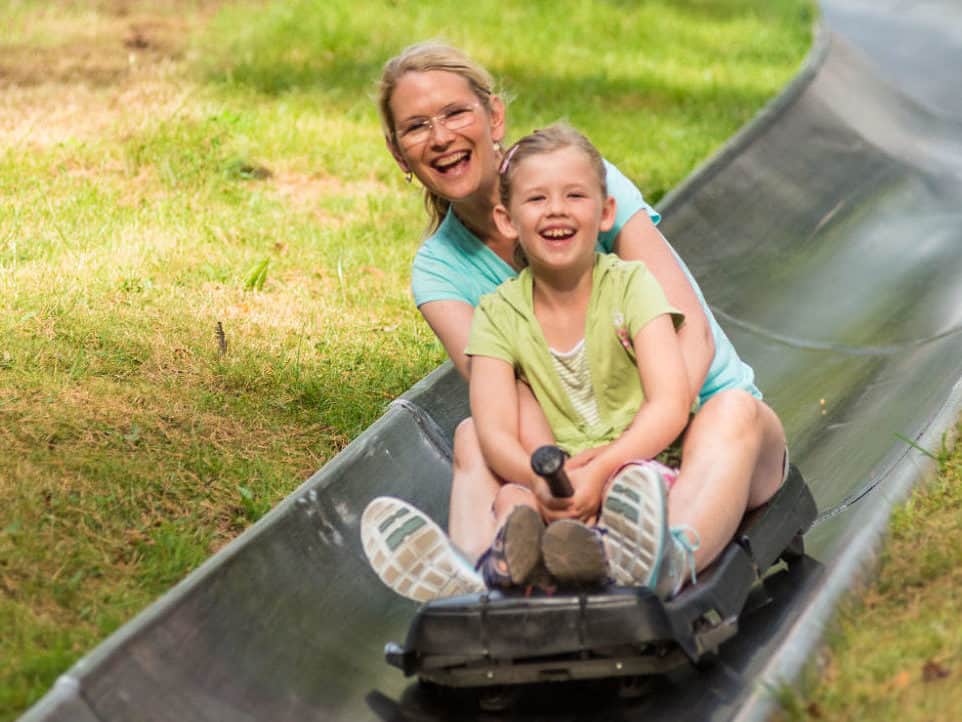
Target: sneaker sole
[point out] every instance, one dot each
(412, 555)
(573, 554)
(635, 514)
(522, 543)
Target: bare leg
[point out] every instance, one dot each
(731, 461)
(471, 525)
(474, 487)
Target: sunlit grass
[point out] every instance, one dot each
(154, 155)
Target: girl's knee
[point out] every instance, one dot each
(510, 496)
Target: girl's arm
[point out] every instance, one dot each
(664, 413)
(451, 323)
(494, 408)
(640, 240)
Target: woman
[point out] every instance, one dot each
(444, 124)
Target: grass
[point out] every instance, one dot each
(895, 651)
(204, 253)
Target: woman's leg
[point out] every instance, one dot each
(474, 487)
(732, 461)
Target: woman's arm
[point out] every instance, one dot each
(451, 323)
(640, 240)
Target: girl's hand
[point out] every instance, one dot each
(586, 501)
(548, 504)
(583, 458)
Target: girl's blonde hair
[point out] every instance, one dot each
(547, 140)
(419, 58)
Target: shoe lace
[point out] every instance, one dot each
(689, 540)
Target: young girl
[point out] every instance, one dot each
(594, 338)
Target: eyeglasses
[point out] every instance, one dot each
(418, 130)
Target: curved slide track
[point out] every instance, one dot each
(828, 237)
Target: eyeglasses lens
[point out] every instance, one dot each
(453, 119)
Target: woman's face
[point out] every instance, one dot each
(445, 135)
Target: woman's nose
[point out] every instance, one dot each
(440, 134)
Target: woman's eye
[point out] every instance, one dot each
(414, 127)
(455, 113)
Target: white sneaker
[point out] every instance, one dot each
(635, 514)
(412, 555)
(677, 566)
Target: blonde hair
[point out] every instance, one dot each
(419, 58)
(547, 140)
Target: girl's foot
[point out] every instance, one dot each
(412, 555)
(642, 549)
(635, 515)
(677, 565)
(574, 553)
(515, 555)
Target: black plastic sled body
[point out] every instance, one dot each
(496, 638)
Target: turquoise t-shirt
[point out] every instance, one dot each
(454, 265)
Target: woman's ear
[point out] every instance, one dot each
(497, 119)
(502, 219)
(396, 154)
(608, 210)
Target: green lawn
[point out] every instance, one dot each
(168, 169)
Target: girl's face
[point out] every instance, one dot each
(556, 210)
(445, 135)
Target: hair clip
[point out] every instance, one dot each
(507, 159)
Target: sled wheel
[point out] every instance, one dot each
(497, 698)
(795, 550)
(634, 687)
(431, 689)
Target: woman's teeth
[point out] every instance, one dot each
(450, 160)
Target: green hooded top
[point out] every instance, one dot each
(624, 297)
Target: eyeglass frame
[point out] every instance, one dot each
(432, 120)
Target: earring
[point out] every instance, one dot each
(408, 176)
(498, 148)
